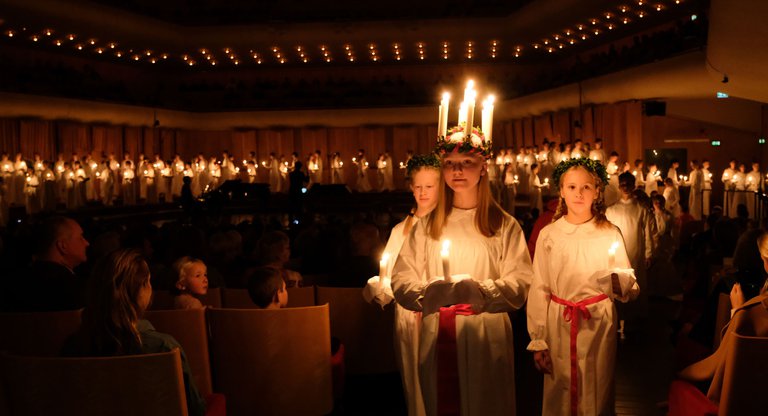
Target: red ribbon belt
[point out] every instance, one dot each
(572, 312)
(448, 393)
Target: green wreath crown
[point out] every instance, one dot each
(591, 165)
(456, 140)
(417, 161)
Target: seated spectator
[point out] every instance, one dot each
(191, 283)
(274, 249)
(49, 283)
(267, 288)
(119, 292)
(750, 317)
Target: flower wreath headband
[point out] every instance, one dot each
(465, 137)
(590, 165)
(429, 160)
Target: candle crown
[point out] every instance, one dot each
(458, 140)
(429, 160)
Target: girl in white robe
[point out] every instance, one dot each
(581, 265)
(425, 174)
(739, 181)
(489, 272)
(696, 181)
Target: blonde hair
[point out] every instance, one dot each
(598, 206)
(488, 218)
(409, 219)
(181, 268)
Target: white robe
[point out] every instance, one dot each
(707, 193)
(407, 328)
(696, 181)
(672, 199)
(362, 184)
(651, 183)
(754, 184)
(501, 264)
(739, 181)
(729, 186)
(638, 227)
(567, 258)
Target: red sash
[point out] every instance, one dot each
(448, 393)
(572, 312)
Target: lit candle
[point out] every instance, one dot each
(612, 254)
(546, 181)
(245, 162)
(462, 113)
(442, 123)
(48, 175)
(470, 112)
(634, 172)
(341, 164)
(383, 267)
(384, 164)
(97, 174)
(444, 254)
(145, 172)
(487, 121)
(354, 160)
(516, 181)
(402, 165)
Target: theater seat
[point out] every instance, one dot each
(236, 299)
(163, 299)
(272, 362)
(301, 296)
(39, 334)
(149, 385)
(365, 330)
(189, 327)
(745, 379)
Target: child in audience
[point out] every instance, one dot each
(580, 267)
(191, 283)
(119, 292)
(267, 288)
(274, 249)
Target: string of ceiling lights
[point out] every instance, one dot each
(610, 20)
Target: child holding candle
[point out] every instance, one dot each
(424, 171)
(580, 266)
(466, 362)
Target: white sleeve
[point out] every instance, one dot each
(509, 291)
(407, 284)
(539, 298)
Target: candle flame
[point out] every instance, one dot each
(384, 258)
(614, 246)
(446, 245)
(446, 96)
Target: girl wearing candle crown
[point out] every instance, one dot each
(475, 261)
(424, 171)
(580, 267)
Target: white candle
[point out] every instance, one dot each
(487, 114)
(442, 123)
(341, 164)
(546, 180)
(444, 255)
(383, 267)
(612, 255)
(354, 160)
(634, 172)
(462, 113)
(470, 113)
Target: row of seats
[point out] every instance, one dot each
(263, 361)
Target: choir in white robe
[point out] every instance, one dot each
(672, 199)
(572, 263)
(651, 183)
(501, 264)
(362, 184)
(407, 327)
(739, 181)
(754, 184)
(729, 186)
(638, 228)
(707, 190)
(696, 180)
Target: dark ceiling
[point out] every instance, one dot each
(216, 12)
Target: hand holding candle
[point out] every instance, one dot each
(444, 255)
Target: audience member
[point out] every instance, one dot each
(274, 249)
(267, 288)
(191, 283)
(119, 292)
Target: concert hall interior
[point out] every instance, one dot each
(243, 207)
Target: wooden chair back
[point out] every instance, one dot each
(37, 333)
(189, 327)
(301, 296)
(366, 330)
(236, 299)
(150, 384)
(163, 299)
(272, 362)
(744, 380)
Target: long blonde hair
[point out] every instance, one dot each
(488, 218)
(598, 205)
